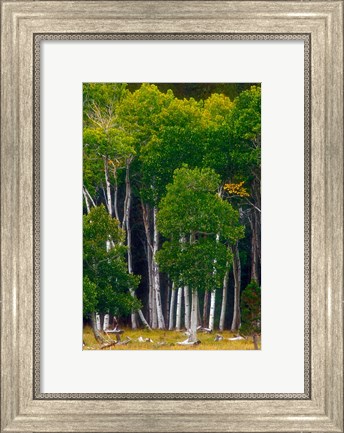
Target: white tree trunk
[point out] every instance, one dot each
(106, 322)
(126, 221)
(98, 322)
(212, 310)
(127, 198)
(95, 323)
(143, 319)
(179, 308)
(86, 200)
(156, 275)
(212, 297)
(237, 287)
(89, 196)
(108, 186)
(254, 246)
(167, 306)
(173, 301)
(187, 307)
(149, 254)
(194, 314)
(127, 227)
(224, 299)
(154, 312)
(151, 297)
(115, 194)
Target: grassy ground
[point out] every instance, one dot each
(166, 340)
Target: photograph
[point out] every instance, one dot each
(171, 216)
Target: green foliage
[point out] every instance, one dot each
(180, 151)
(250, 309)
(193, 207)
(193, 264)
(104, 137)
(245, 134)
(198, 225)
(89, 298)
(105, 271)
(246, 115)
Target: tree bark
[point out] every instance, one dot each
(205, 309)
(212, 310)
(167, 303)
(194, 310)
(106, 322)
(179, 308)
(86, 200)
(127, 198)
(95, 330)
(199, 317)
(156, 275)
(108, 186)
(115, 194)
(173, 301)
(213, 293)
(127, 227)
(237, 288)
(89, 196)
(224, 299)
(187, 307)
(254, 246)
(149, 255)
(126, 222)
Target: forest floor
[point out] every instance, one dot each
(167, 340)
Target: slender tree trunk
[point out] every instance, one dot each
(179, 308)
(187, 307)
(161, 321)
(106, 322)
(149, 250)
(108, 185)
(98, 322)
(115, 194)
(86, 201)
(143, 319)
(194, 310)
(205, 309)
(168, 294)
(101, 321)
(213, 295)
(224, 298)
(126, 220)
(150, 286)
(173, 301)
(237, 288)
(130, 270)
(199, 317)
(95, 330)
(212, 310)
(89, 197)
(155, 314)
(254, 245)
(127, 198)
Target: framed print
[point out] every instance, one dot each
(159, 163)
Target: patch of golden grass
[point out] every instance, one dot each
(169, 338)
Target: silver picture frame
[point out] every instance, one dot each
(24, 25)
